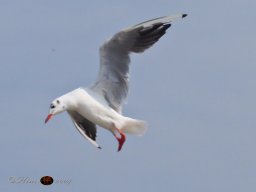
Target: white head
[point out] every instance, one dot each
(57, 106)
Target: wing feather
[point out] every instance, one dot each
(85, 127)
(113, 77)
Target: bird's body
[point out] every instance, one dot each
(95, 109)
(101, 104)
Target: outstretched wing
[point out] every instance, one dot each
(85, 127)
(113, 77)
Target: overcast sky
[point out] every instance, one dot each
(195, 88)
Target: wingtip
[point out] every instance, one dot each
(99, 147)
(184, 15)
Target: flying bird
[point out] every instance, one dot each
(101, 104)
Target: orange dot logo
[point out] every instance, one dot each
(46, 180)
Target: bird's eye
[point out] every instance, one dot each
(52, 106)
(58, 101)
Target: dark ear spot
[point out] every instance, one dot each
(58, 102)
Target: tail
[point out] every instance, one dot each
(134, 127)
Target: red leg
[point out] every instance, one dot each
(121, 139)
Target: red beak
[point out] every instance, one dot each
(48, 118)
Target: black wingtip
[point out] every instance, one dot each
(184, 15)
(99, 147)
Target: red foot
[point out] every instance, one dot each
(120, 140)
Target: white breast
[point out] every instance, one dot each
(95, 109)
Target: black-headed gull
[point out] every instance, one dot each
(101, 103)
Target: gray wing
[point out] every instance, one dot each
(85, 127)
(113, 77)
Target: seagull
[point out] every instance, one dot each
(101, 103)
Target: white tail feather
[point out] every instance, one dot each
(134, 127)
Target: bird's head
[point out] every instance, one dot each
(57, 106)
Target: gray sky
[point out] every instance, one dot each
(195, 88)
